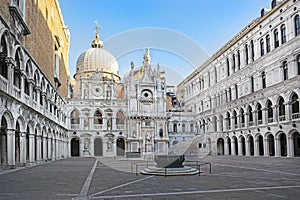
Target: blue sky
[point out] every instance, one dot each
(207, 23)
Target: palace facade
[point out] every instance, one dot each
(33, 82)
(245, 98)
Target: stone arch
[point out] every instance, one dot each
(9, 119)
(282, 137)
(243, 145)
(75, 146)
(98, 146)
(270, 143)
(120, 145)
(228, 140)
(250, 141)
(260, 144)
(220, 146)
(235, 149)
(295, 147)
(294, 99)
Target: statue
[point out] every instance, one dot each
(86, 144)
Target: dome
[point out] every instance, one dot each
(97, 59)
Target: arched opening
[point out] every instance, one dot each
(296, 140)
(27, 143)
(250, 116)
(281, 109)
(17, 70)
(17, 144)
(270, 111)
(3, 56)
(259, 114)
(98, 147)
(120, 147)
(35, 145)
(236, 146)
(235, 121)
(283, 147)
(75, 147)
(260, 145)
(295, 106)
(271, 145)
(75, 120)
(251, 146)
(3, 142)
(242, 117)
(243, 146)
(220, 146)
(175, 128)
(229, 146)
(228, 119)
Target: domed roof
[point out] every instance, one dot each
(97, 59)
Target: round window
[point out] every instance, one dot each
(146, 94)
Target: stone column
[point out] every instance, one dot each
(31, 148)
(49, 152)
(239, 125)
(288, 111)
(22, 86)
(53, 148)
(256, 147)
(246, 115)
(233, 151)
(247, 146)
(290, 146)
(240, 147)
(45, 149)
(10, 148)
(266, 147)
(38, 147)
(264, 116)
(275, 113)
(277, 147)
(226, 148)
(22, 148)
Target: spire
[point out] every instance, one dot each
(97, 43)
(147, 57)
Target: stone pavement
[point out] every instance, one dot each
(111, 178)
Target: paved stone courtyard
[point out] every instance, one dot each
(110, 178)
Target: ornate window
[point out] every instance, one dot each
(252, 49)
(252, 84)
(262, 47)
(270, 111)
(263, 77)
(75, 117)
(98, 117)
(268, 43)
(281, 109)
(17, 70)
(297, 25)
(246, 54)
(238, 59)
(227, 66)
(285, 70)
(283, 34)
(259, 113)
(250, 115)
(120, 118)
(295, 106)
(276, 38)
(3, 56)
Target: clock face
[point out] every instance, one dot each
(97, 90)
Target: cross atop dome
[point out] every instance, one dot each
(97, 43)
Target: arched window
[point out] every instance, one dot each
(238, 59)
(26, 84)
(120, 119)
(246, 54)
(297, 25)
(228, 118)
(263, 77)
(236, 91)
(230, 96)
(3, 56)
(228, 67)
(233, 63)
(276, 38)
(262, 47)
(252, 49)
(281, 109)
(268, 43)
(285, 70)
(250, 115)
(270, 111)
(98, 117)
(298, 64)
(235, 119)
(175, 128)
(252, 84)
(295, 106)
(75, 117)
(17, 70)
(283, 34)
(242, 117)
(259, 113)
